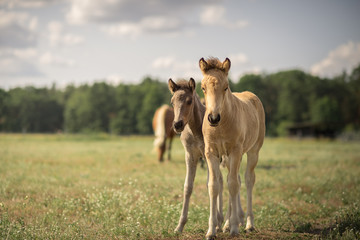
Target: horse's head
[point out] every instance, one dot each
(182, 101)
(215, 86)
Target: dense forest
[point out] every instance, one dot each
(290, 98)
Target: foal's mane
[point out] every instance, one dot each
(214, 63)
(183, 84)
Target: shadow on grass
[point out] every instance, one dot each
(345, 226)
(275, 167)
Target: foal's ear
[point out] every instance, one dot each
(172, 86)
(192, 84)
(203, 65)
(226, 65)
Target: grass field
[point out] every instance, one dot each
(107, 187)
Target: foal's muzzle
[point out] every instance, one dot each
(214, 120)
(179, 126)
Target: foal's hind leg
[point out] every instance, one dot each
(240, 210)
(220, 215)
(191, 164)
(169, 148)
(252, 159)
(226, 227)
(161, 151)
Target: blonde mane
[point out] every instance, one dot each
(213, 63)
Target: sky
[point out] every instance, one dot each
(62, 42)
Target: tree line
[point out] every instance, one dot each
(289, 98)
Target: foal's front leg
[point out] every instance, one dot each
(214, 189)
(191, 163)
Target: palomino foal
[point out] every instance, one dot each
(234, 124)
(189, 113)
(162, 126)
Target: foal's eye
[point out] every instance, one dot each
(203, 89)
(226, 89)
(189, 101)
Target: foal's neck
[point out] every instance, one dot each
(228, 106)
(195, 122)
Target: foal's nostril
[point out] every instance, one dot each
(179, 124)
(217, 118)
(210, 118)
(213, 120)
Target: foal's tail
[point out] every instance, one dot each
(160, 131)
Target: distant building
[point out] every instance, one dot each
(308, 129)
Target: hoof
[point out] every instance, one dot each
(226, 227)
(178, 230)
(242, 223)
(250, 230)
(234, 232)
(211, 235)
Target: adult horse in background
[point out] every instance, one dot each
(234, 124)
(189, 115)
(162, 126)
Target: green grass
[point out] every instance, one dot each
(107, 187)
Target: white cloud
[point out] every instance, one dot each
(250, 70)
(241, 65)
(239, 58)
(28, 53)
(238, 24)
(212, 15)
(26, 3)
(215, 15)
(114, 79)
(135, 17)
(174, 64)
(147, 25)
(174, 68)
(104, 11)
(50, 59)
(58, 37)
(160, 23)
(17, 29)
(164, 62)
(344, 57)
(82, 11)
(125, 28)
(27, 62)
(18, 62)
(115, 11)
(15, 68)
